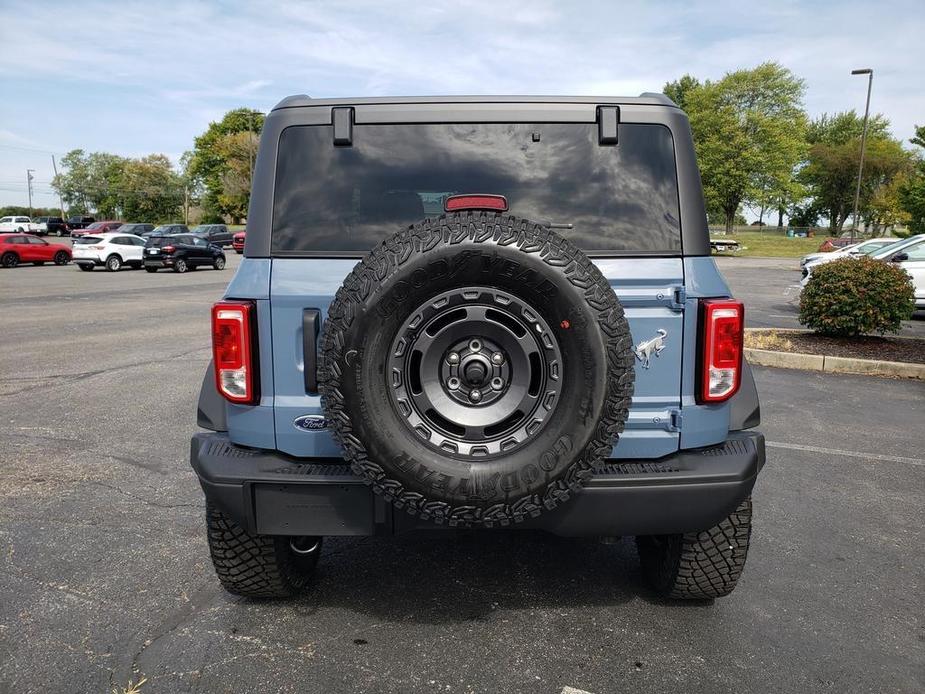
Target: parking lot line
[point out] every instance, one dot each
(918, 462)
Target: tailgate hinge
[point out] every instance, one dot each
(678, 298)
(674, 420)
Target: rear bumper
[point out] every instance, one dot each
(273, 494)
(158, 262)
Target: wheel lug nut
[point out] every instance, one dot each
(475, 345)
(453, 383)
(475, 395)
(497, 383)
(497, 358)
(452, 358)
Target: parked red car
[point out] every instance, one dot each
(26, 248)
(237, 242)
(835, 244)
(96, 228)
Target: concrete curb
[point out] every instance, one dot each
(818, 362)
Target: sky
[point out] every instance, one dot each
(136, 78)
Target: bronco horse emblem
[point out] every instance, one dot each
(645, 349)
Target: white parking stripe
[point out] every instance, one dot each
(918, 462)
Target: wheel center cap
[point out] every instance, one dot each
(475, 373)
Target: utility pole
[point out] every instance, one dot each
(29, 178)
(54, 166)
(857, 191)
(186, 204)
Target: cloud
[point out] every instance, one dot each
(164, 69)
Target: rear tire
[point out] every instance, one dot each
(180, 265)
(219, 263)
(701, 565)
(113, 263)
(259, 566)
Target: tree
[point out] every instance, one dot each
(89, 181)
(748, 131)
(679, 90)
(222, 162)
(834, 156)
(150, 189)
(912, 191)
(145, 189)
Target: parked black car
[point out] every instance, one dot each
(79, 221)
(213, 233)
(181, 252)
(166, 230)
(137, 229)
(53, 225)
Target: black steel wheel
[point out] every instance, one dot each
(475, 371)
(476, 368)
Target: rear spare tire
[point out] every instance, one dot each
(476, 368)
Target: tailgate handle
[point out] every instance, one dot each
(311, 324)
(608, 118)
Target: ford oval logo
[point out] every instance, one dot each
(310, 422)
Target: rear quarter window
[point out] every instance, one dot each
(619, 199)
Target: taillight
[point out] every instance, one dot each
(169, 249)
(475, 202)
(722, 324)
(234, 351)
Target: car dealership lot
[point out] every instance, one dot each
(105, 577)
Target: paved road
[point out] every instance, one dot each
(104, 575)
(770, 289)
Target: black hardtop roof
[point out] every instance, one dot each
(644, 99)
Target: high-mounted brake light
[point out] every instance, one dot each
(234, 351)
(485, 201)
(722, 324)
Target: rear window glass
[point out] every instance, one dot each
(84, 240)
(620, 198)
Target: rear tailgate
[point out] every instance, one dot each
(649, 288)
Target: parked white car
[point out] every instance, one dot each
(112, 251)
(909, 254)
(18, 224)
(861, 248)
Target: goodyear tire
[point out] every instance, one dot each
(476, 368)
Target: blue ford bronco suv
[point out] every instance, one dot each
(478, 312)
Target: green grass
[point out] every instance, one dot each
(774, 245)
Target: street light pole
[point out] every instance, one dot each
(857, 191)
(29, 178)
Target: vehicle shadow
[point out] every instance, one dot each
(440, 577)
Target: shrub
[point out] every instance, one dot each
(856, 296)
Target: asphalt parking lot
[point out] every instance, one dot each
(105, 577)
